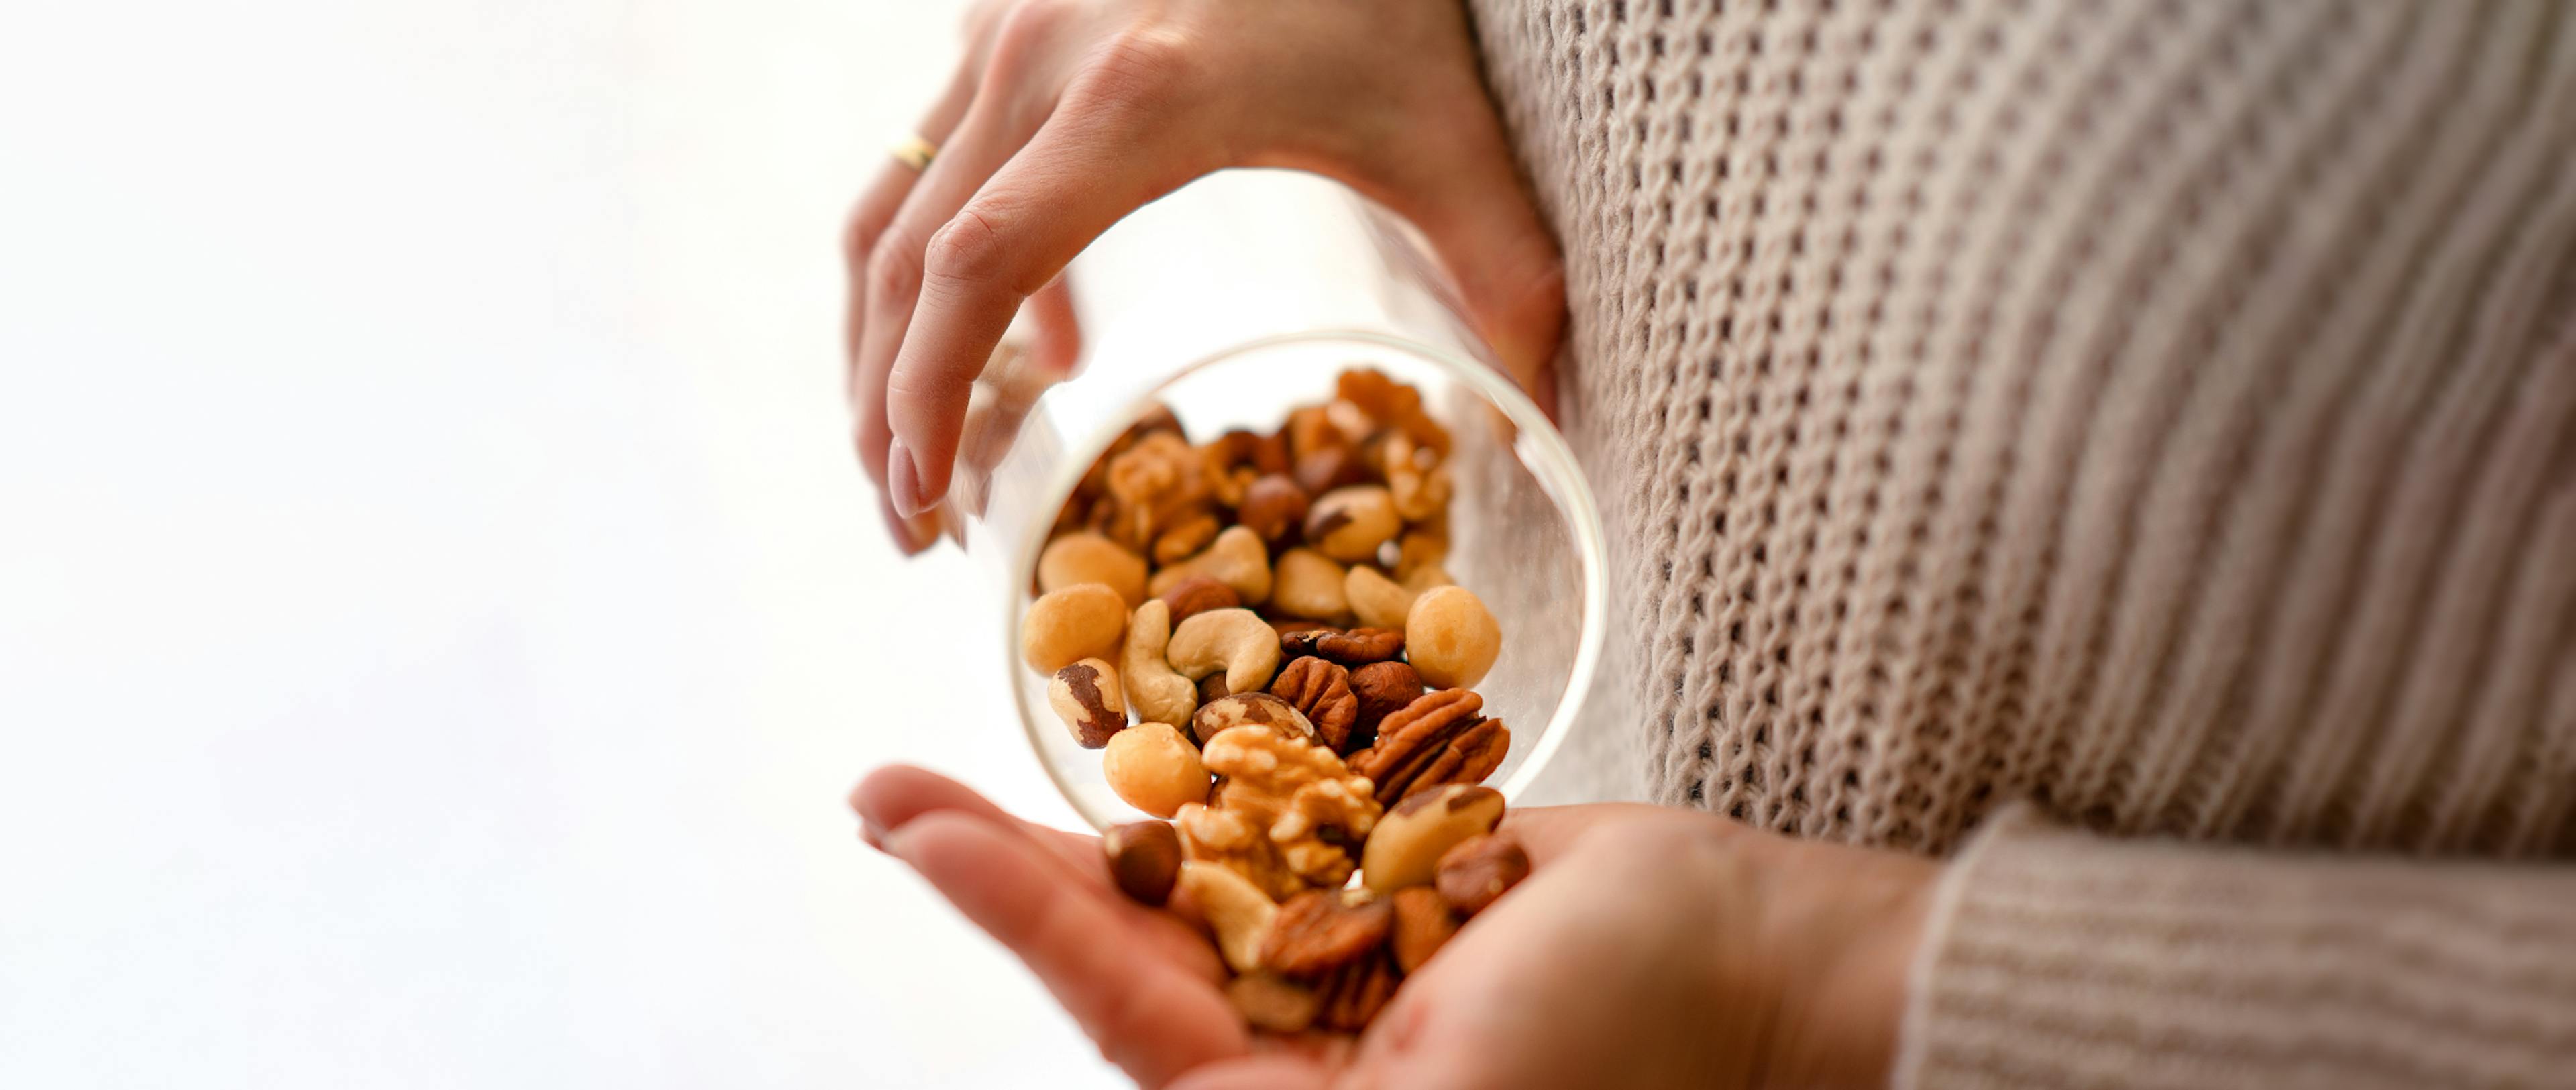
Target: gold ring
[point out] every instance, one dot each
(914, 152)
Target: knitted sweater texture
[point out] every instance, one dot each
(2127, 448)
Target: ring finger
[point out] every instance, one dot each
(876, 209)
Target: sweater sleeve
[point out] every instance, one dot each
(2054, 957)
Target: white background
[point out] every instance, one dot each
(439, 616)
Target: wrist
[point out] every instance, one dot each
(1852, 919)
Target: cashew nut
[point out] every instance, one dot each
(1236, 641)
(1235, 909)
(1237, 558)
(1379, 601)
(1158, 694)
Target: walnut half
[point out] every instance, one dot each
(1288, 814)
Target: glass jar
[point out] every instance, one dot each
(1524, 533)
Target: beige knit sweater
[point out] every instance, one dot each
(2129, 447)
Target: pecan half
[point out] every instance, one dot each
(1478, 872)
(1315, 933)
(1383, 688)
(1423, 924)
(1356, 992)
(1437, 739)
(1322, 691)
(1357, 647)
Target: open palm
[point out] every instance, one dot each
(1649, 947)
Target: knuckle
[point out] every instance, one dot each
(1145, 72)
(858, 237)
(894, 270)
(1026, 30)
(970, 249)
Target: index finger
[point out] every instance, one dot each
(1085, 169)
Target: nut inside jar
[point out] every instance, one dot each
(1300, 669)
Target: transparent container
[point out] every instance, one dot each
(1524, 533)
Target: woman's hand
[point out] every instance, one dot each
(1069, 114)
(1649, 947)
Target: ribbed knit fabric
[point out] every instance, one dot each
(2066, 961)
(2164, 413)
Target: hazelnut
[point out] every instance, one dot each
(1406, 846)
(1348, 524)
(1087, 557)
(1086, 696)
(1154, 769)
(1196, 594)
(1322, 471)
(1306, 583)
(1378, 601)
(1273, 507)
(1450, 638)
(1478, 871)
(1383, 688)
(1237, 558)
(1423, 924)
(1236, 911)
(1212, 688)
(1236, 641)
(1144, 859)
(1082, 621)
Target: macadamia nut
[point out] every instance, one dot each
(1082, 621)
(1450, 638)
(1308, 584)
(1088, 557)
(1154, 769)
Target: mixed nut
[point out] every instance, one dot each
(1272, 612)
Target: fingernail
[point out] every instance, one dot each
(911, 535)
(872, 834)
(903, 481)
(896, 842)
